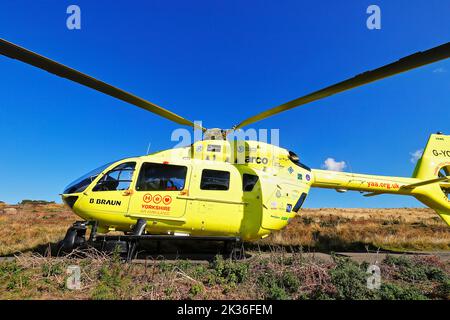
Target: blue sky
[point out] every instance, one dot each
(219, 62)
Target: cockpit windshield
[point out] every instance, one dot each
(82, 183)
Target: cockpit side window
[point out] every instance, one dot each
(161, 177)
(119, 178)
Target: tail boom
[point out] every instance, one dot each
(343, 181)
(430, 183)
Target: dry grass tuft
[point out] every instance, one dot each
(357, 229)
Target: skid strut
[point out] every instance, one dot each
(138, 230)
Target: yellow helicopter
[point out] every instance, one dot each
(224, 189)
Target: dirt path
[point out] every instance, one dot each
(374, 257)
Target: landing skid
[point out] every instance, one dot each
(128, 245)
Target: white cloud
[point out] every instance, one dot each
(416, 155)
(331, 164)
(439, 70)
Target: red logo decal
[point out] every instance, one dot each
(167, 200)
(157, 198)
(147, 198)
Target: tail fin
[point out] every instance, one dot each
(435, 160)
(435, 164)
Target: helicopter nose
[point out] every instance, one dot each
(69, 200)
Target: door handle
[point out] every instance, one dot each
(127, 193)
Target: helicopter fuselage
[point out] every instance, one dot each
(212, 188)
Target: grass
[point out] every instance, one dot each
(33, 226)
(263, 277)
(357, 229)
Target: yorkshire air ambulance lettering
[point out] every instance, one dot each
(156, 204)
(149, 207)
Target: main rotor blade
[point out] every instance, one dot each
(407, 63)
(16, 52)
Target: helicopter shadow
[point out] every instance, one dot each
(200, 250)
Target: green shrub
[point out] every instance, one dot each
(13, 275)
(229, 271)
(49, 269)
(26, 201)
(318, 294)
(277, 293)
(389, 291)
(195, 289)
(278, 286)
(411, 271)
(168, 292)
(103, 292)
(443, 290)
(290, 282)
(400, 261)
(113, 283)
(7, 268)
(350, 280)
(199, 272)
(165, 266)
(436, 274)
(184, 265)
(270, 285)
(109, 283)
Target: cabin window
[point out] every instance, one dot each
(119, 178)
(249, 181)
(215, 180)
(161, 177)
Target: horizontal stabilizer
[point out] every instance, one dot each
(426, 182)
(372, 194)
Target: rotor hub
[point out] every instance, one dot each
(216, 134)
